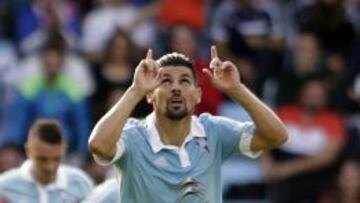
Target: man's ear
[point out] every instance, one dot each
(27, 148)
(150, 97)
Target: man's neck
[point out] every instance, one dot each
(39, 180)
(173, 132)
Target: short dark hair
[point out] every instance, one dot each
(55, 41)
(177, 59)
(47, 130)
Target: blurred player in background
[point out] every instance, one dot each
(42, 178)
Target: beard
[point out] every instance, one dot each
(176, 114)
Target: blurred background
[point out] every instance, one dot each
(72, 59)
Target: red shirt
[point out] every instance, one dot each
(211, 97)
(308, 137)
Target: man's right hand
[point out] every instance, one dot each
(147, 75)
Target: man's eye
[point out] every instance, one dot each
(185, 81)
(166, 81)
(42, 159)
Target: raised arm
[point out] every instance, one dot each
(270, 131)
(108, 129)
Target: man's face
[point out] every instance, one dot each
(177, 95)
(314, 96)
(53, 61)
(46, 159)
(183, 41)
(307, 52)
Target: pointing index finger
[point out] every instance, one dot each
(214, 53)
(149, 54)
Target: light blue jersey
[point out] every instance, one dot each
(154, 172)
(18, 186)
(107, 192)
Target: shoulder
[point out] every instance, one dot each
(105, 191)
(11, 179)
(10, 175)
(207, 119)
(75, 175)
(134, 131)
(221, 123)
(30, 87)
(70, 88)
(134, 125)
(134, 122)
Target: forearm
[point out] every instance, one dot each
(300, 166)
(324, 158)
(268, 126)
(108, 129)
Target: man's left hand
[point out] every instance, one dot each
(224, 75)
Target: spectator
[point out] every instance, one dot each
(305, 59)
(301, 170)
(73, 66)
(101, 24)
(247, 27)
(115, 75)
(289, 11)
(34, 21)
(340, 74)
(348, 185)
(242, 30)
(11, 156)
(327, 19)
(51, 95)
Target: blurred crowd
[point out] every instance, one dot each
(72, 59)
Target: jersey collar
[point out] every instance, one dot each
(60, 182)
(196, 131)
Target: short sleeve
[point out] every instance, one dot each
(120, 150)
(234, 137)
(245, 146)
(123, 145)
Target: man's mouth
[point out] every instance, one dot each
(176, 102)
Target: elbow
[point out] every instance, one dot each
(281, 136)
(94, 147)
(99, 149)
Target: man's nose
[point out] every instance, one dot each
(175, 88)
(51, 166)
